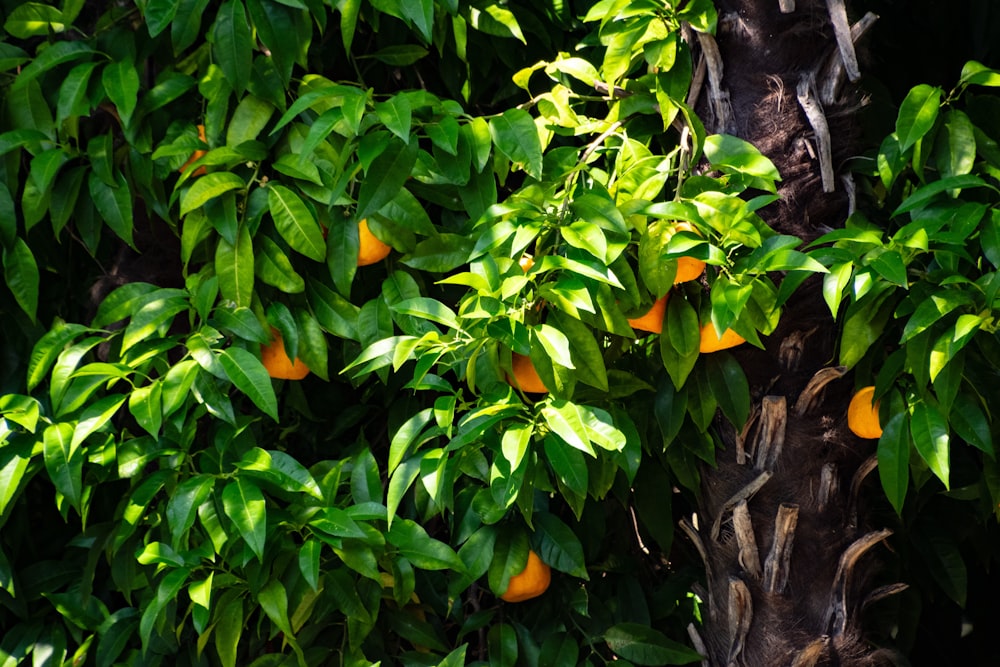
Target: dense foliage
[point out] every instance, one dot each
(164, 501)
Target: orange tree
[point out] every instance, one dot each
(187, 184)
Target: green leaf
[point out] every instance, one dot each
(48, 348)
(400, 55)
(245, 506)
(917, 114)
(146, 405)
(158, 15)
(514, 134)
(497, 20)
(565, 420)
(280, 469)
(235, 267)
(890, 266)
(396, 114)
(274, 601)
(57, 54)
(114, 203)
(680, 341)
(33, 19)
(209, 187)
(441, 253)
(249, 375)
(228, 629)
(121, 83)
(233, 44)
(295, 223)
(863, 324)
(274, 268)
(21, 410)
(385, 176)
(309, 559)
(166, 592)
(510, 556)
(971, 424)
(95, 416)
(929, 429)
(568, 464)
(736, 155)
(926, 193)
(957, 153)
(730, 386)
(21, 275)
(183, 504)
(502, 643)
(64, 462)
(643, 645)
(421, 549)
(249, 118)
(14, 460)
(559, 546)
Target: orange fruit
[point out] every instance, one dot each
(862, 414)
(532, 581)
(526, 262)
(713, 342)
(525, 376)
(688, 268)
(652, 321)
(370, 248)
(277, 363)
(197, 155)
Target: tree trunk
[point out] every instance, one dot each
(781, 526)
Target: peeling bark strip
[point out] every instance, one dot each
(780, 559)
(788, 556)
(740, 617)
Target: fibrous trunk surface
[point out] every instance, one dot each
(787, 547)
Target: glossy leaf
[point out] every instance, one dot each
(21, 275)
(249, 376)
(917, 114)
(929, 430)
(233, 44)
(515, 136)
(645, 646)
(295, 223)
(245, 506)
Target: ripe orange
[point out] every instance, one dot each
(688, 268)
(712, 342)
(525, 376)
(652, 320)
(526, 262)
(862, 414)
(532, 581)
(277, 363)
(197, 155)
(370, 249)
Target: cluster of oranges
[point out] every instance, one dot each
(279, 366)
(526, 377)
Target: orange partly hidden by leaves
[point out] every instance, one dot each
(533, 580)
(862, 414)
(652, 320)
(713, 342)
(197, 155)
(525, 376)
(370, 248)
(277, 363)
(526, 262)
(688, 268)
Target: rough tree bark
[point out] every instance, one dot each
(781, 528)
